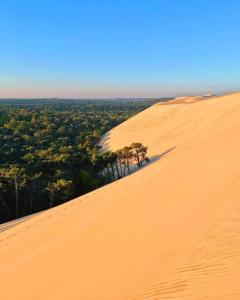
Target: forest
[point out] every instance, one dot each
(50, 153)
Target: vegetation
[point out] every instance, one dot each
(50, 153)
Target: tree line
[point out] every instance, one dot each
(115, 165)
(50, 153)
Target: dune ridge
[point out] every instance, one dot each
(168, 231)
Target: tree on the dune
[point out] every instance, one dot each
(127, 155)
(139, 153)
(112, 160)
(120, 162)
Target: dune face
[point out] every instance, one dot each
(169, 231)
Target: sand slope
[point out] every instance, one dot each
(168, 231)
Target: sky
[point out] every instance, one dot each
(124, 48)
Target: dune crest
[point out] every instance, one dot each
(168, 231)
(191, 99)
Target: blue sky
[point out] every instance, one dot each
(124, 48)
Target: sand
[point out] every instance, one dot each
(169, 231)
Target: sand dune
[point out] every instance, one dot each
(168, 231)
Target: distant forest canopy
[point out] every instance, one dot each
(50, 153)
(95, 102)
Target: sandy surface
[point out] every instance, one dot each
(168, 231)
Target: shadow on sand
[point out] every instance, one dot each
(104, 142)
(153, 159)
